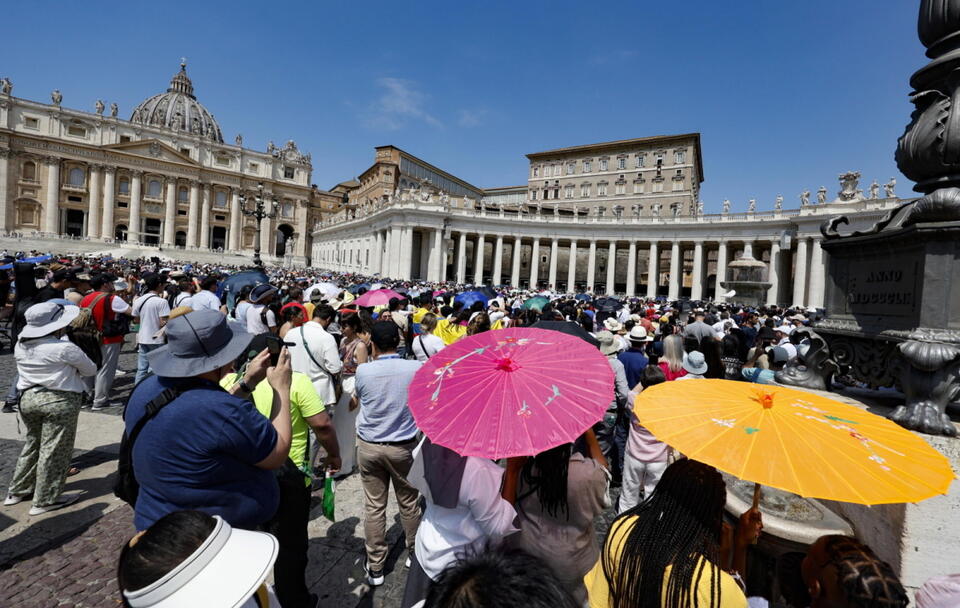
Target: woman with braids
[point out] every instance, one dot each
(667, 552)
(559, 494)
(842, 572)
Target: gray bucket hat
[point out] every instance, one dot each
(198, 342)
(695, 363)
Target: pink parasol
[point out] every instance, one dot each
(378, 297)
(511, 392)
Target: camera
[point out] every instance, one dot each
(275, 345)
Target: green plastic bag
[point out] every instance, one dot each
(329, 495)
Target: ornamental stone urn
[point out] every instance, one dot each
(893, 291)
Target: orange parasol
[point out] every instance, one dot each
(794, 440)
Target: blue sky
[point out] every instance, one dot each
(787, 95)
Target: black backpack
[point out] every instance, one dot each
(126, 486)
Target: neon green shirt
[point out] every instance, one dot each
(304, 402)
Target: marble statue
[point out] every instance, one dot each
(445, 199)
(805, 198)
(114, 109)
(636, 210)
(888, 188)
(778, 203)
(675, 209)
(821, 195)
(99, 107)
(752, 206)
(874, 190)
(539, 209)
(271, 148)
(238, 139)
(576, 212)
(848, 186)
(56, 97)
(699, 207)
(656, 210)
(556, 210)
(6, 86)
(726, 206)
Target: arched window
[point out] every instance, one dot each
(153, 188)
(183, 195)
(124, 187)
(76, 176)
(29, 171)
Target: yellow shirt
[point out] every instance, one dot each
(451, 332)
(304, 403)
(598, 590)
(309, 306)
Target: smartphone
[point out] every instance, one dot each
(275, 345)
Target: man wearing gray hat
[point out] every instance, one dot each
(201, 447)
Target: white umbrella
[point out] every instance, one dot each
(329, 291)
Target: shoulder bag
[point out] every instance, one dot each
(337, 389)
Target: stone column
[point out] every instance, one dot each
(497, 277)
(800, 272)
(773, 274)
(675, 271)
(515, 275)
(462, 258)
(169, 212)
(194, 218)
(406, 254)
(109, 201)
(267, 238)
(136, 194)
(611, 267)
(592, 266)
(5, 155)
(95, 203)
(478, 260)
(436, 255)
(535, 263)
(396, 238)
(815, 297)
(632, 269)
(721, 271)
(377, 252)
(653, 270)
(205, 219)
(236, 219)
(51, 217)
(554, 252)
(572, 269)
(302, 207)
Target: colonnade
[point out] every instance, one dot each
(673, 267)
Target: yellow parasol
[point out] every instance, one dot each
(793, 440)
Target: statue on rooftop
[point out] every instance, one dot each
(821, 195)
(889, 187)
(726, 206)
(805, 198)
(114, 109)
(752, 206)
(56, 97)
(99, 106)
(874, 190)
(778, 203)
(6, 86)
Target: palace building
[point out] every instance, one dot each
(165, 178)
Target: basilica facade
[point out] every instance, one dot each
(163, 179)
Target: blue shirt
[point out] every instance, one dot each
(634, 361)
(382, 393)
(199, 453)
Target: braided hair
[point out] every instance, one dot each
(546, 475)
(677, 527)
(866, 580)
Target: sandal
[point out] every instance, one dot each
(72, 471)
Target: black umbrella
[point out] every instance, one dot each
(607, 304)
(488, 291)
(568, 327)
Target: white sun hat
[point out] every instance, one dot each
(47, 317)
(223, 572)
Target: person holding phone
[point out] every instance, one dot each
(295, 477)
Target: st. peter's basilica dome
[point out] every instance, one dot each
(179, 110)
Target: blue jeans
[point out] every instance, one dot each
(143, 366)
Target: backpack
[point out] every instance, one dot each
(126, 487)
(114, 324)
(83, 332)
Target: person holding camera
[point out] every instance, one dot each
(205, 448)
(112, 317)
(295, 478)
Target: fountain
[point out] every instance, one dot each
(745, 276)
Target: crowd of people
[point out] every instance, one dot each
(245, 397)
